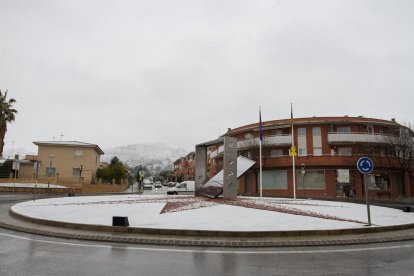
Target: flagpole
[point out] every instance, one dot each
(260, 151)
(293, 153)
(261, 183)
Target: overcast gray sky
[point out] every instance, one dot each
(181, 72)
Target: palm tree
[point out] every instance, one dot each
(7, 115)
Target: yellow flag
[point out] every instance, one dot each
(293, 151)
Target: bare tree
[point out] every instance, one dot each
(402, 149)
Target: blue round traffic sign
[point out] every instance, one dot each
(365, 165)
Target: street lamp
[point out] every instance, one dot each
(50, 170)
(303, 178)
(37, 164)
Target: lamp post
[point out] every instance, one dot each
(303, 178)
(50, 171)
(141, 179)
(37, 164)
(16, 166)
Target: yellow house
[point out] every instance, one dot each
(68, 161)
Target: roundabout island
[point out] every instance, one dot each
(188, 220)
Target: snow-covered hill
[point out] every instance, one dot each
(22, 152)
(131, 155)
(137, 154)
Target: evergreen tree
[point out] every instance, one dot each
(7, 115)
(116, 170)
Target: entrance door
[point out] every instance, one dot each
(248, 182)
(400, 185)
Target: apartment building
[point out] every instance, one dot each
(327, 152)
(184, 167)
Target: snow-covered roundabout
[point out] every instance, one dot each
(244, 214)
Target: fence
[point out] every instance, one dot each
(76, 184)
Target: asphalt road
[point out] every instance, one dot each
(14, 197)
(26, 254)
(153, 191)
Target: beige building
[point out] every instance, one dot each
(68, 161)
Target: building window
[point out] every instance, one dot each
(368, 150)
(343, 129)
(317, 151)
(78, 153)
(313, 179)
(345, 151)
(316, 131)
(248, 136)
(379, 181)
(274, 180)
(276, 153)
(301, 131)
(276, 132)
(302, 152)
(76, 172)
(50, 171)
(370, 129)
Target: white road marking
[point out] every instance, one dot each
(212, 251)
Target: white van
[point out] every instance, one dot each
(184, 188)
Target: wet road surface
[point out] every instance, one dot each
(26, 254)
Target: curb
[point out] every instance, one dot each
(179, 239)
(202, 241)
(212, 233)
(169, 237)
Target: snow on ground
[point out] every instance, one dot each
(31, 185)
(186, 212)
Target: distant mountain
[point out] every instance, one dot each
(156, 154)
(145, 154)
(9, 153)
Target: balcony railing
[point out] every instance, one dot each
(359, 138)
(216, 152)
(213, 154)
(279, 140)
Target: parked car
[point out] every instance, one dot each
(158, 184)
(186, 187)
(172, 184)
(147, 185)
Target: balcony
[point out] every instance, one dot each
(343, 138)
(213, 154)
(279, 140)
(381, 162)
(217, 152)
